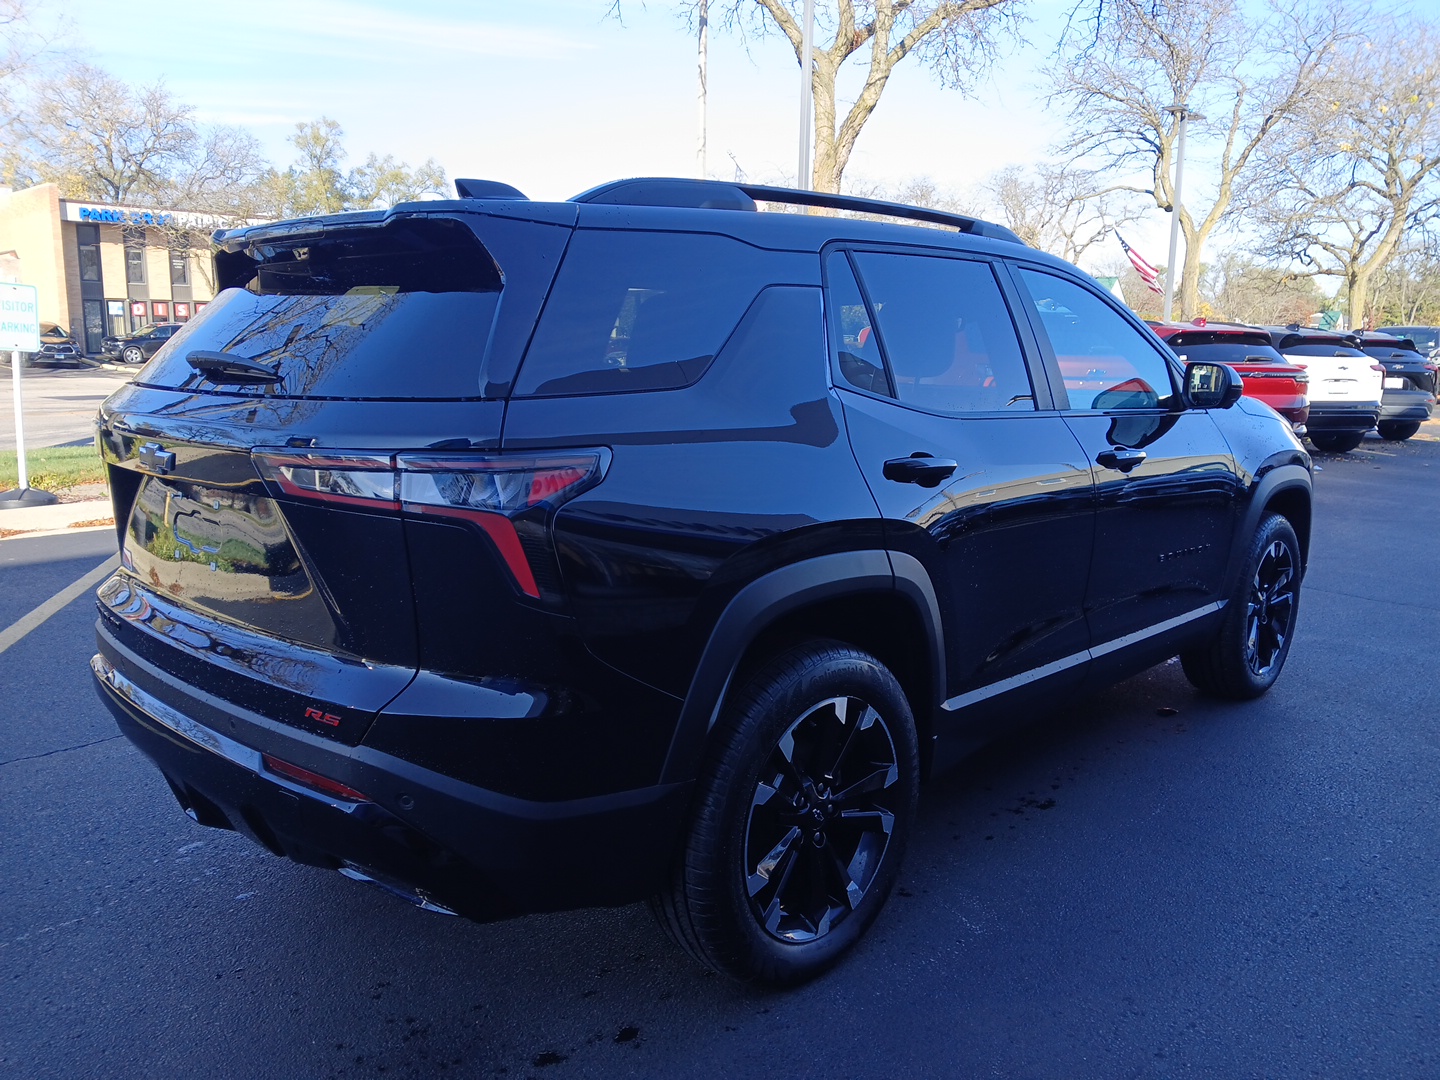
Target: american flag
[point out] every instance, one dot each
(1143, 268)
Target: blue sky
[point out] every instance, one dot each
(550, 95)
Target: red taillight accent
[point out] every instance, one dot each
(312, 779)
(486, 489)
(1378, 367)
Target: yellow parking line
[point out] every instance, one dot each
(23, 625)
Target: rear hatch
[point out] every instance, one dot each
(1338, 372)
(257, 462)
(1406, 370)
(1267, 376)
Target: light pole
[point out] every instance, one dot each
(703, 18)
(807, 62)
(1182, 111)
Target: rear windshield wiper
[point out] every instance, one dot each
(223, 367)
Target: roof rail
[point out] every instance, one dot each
(722, 195)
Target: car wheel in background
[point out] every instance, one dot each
(1396, 430)
(1244, 658)
(800, 820)
(131, 354)
(1337, 444)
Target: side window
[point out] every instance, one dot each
(1103, 360)
(947, 333)
(856, 346)
(639, 311)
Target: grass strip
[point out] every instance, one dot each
(53, 468)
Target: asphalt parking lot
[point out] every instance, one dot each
(59, 404)
(1142, 884)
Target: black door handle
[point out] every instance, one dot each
(1121, 459)
(920, 469)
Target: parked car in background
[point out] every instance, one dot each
(138, 347)
(1345, 384)
(1426, 338)
(639, 599)
(1409, 387)
(1267, 376)
(57, 349)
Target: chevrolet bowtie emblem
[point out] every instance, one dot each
(155, 458)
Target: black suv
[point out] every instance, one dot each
(1409, 388)
(140, 346)
(522, 556)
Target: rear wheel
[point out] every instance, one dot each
(1244, 658)
(1338, 444)
(801, 818)
(132, 355)
(1396, 430)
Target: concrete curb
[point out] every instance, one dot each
(60, 517)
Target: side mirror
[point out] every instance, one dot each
(1212, 386)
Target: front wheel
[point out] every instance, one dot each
(132, 355)
(1397, 431)
(1338, 444)
(1244, 658)
(801, 818)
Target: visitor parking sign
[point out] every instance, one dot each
(19, 319)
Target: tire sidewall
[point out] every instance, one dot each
(132, 355)
(763, 717)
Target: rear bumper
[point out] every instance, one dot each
(1333, 418)
(441, 841)
(1406, 405)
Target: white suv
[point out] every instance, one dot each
(1345, 384)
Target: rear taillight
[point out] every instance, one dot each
(1303, 379)
(1378, 367)
(488, 490)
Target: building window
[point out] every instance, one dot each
(161, 310)
(135, 257)
(88, 241)
(182, 311)
(179, 267)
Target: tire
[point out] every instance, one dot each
(1245, 657)
(1397, 430)
(1338, 444)
(131, 354)
(786, 864)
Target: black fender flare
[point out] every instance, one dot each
(769, 597)
(1280, 478)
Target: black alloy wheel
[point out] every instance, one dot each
(801, 817)
(821, 817)
(1245, 656)
(1270, 613)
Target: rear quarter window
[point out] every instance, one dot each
(639, 311)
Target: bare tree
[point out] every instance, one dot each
(1120, 70)
(99, 138)
(1244, 290)
(1059, 208)
(1406, 292)
(957, 38)
(1362, 168)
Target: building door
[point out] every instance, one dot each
(93, 312)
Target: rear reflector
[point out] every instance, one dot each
(312, 780)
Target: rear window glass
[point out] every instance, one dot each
(1322, 350)
(639, 311)
(1217, 352)
(402, 312)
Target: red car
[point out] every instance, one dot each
(1267, 375)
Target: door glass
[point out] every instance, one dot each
(947, 334)
(857, 349)
(94, 313)
(1103, 360)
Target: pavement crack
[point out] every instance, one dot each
(62, 750)
(1369, 599)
